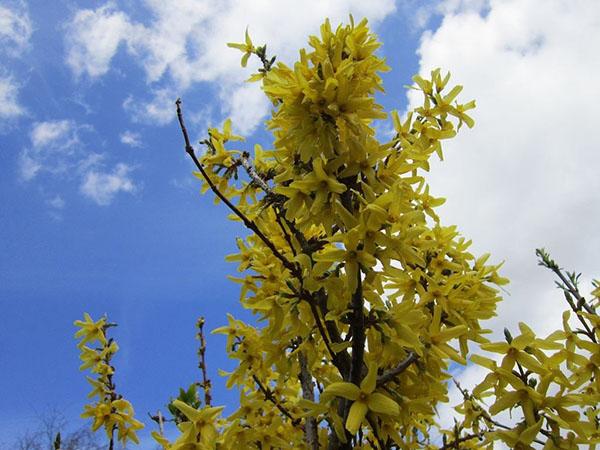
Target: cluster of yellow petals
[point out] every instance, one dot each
(110, 410)
(363, 298)
(346, 210)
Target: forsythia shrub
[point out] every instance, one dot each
(364, 297)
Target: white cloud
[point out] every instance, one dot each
(93, 38)
(246, 106)
(57, 133)
(527, 175)
(185, 44)
(102, 187)
(57, 202)
(53, 148)
(158, 110)
(15, 28)
(28, 166)
(131, 138)
(58, 150)
(15, 32)
(9, 103)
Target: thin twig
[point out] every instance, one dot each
(549, 263)
(310, 431)
(206, 383)
(485, 414)
(357, 326)
(247, 222)
(268, 393)
(401, 367)
(286, 235)
(468, 437)
(588, 332)
(569, 289)
(252, 173)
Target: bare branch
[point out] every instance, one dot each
(252, 173)
(306, 381)
(404, 364)
(206, 384)
(247, 222)
(268, 393)
(357, 327)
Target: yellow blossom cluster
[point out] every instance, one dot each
(364, 300)
(109, 410)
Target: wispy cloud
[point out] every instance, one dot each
(58, 149)
(52, 149)
(58, 134)
(93, 38)
(156, 110)
(131, 138)
(57, 202)
(15, 28)
(9, 101)
(102, 187)
(184, 44)
(15, 33)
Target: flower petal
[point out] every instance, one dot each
(357, 413)
(367, 385)
(342, 389)
(382, 404)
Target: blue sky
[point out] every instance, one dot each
(100, 212)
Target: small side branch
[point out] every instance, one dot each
(253, 174)
(310, 430)
(205, 384)
(549, 263)
(390, 374)
(455, 443)
(358, 332)
(247, 222)
(268, 393)
(570, 290)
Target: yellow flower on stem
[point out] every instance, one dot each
(201, 425)
(365, 399)
(247, 47)
(352, 254)
(320, 183)
(90, 331)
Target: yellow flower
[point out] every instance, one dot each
(320, 183)
(201, 425)
(364, 398)
(247, 47)
(90, 331)
(352, 255)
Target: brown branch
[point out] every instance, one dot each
(549, 263)
(573, 290)
(160, 420)
(111, 443)
(268, 393)
(251, 225)
(286, 235)
(588, 332)
(390, 374)
(252, 173)
(247, 222)
(322, 331)
(206, 383)
(310, 430)
(357, 326)
(372, 424)
(468, 437)
(486, 416)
